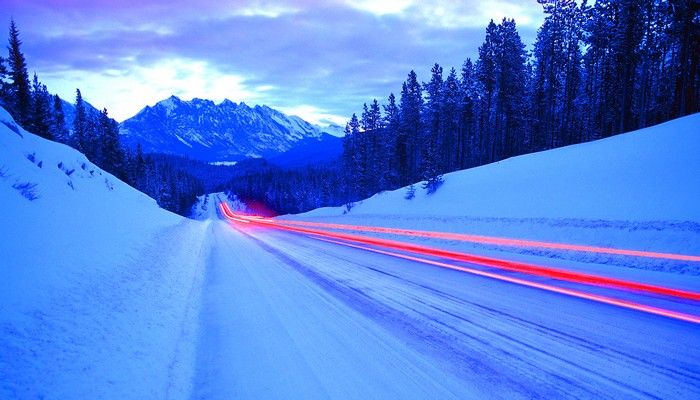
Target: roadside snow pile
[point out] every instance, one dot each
(638, 190)
(95, 279)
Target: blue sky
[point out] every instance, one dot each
(319, 59)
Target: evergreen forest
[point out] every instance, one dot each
(595, 71)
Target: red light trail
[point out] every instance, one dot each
(551, 288)
(494, 240)
(530, 269)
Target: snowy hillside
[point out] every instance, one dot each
(94, 279)
(637, 190)
(227, 131)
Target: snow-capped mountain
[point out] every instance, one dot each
(227, 131)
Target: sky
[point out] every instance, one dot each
(318, 59)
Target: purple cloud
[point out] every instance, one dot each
(323, 54)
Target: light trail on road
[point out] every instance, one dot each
(529, 269)
(523, 282)
(492, 240)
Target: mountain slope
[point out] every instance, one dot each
(227, 131)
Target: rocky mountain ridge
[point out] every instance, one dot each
(204, 130)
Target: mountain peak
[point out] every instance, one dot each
(201, 129)
(170, 103)
(228, 103)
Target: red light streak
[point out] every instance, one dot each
(494, 240)
(529, 269)
(569, 292)
(226, 210)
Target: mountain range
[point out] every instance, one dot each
(203, 130)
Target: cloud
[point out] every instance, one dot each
(381, 7)
(322, 57)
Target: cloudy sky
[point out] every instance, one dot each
(319, 59)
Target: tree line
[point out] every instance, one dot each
(93, 133)
(270, 190)
(595, 71)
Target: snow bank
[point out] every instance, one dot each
(646, 175)
(97, 284)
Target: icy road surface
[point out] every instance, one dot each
(289, 316)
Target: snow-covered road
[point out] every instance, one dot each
(285, 315)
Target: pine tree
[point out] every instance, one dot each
(391, 132)
(351, 161)
(432, 134)
(57, 124)
(139, 165)
(408, 142)
(487, 76)
(112, 156)
(19, 88)
(558, 75)
(80, 124)
(684, 37)
(451, 108)
(468, 127)
(40, 115)
(4, 85)
(93, 137)
(511, 126)
(378, 152)
(615, 31)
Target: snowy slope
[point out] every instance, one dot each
(95, 279)
(637, 190)
(650, 174)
